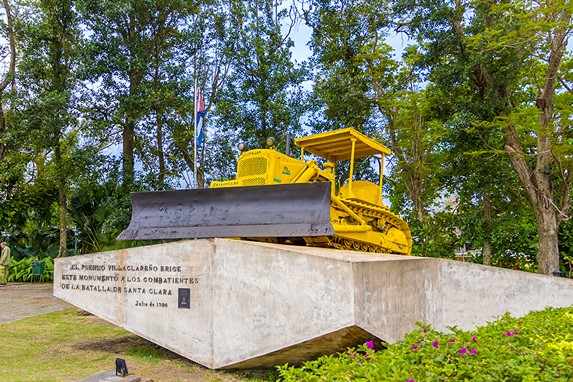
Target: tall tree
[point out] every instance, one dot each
(508, 58)
(9, 55)
(416, 137)
(128, 43)
(10, 170)
(343, 32)
(263, 96)
(547, 181)
(167, 85)
(49, 44)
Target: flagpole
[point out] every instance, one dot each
(195, 133)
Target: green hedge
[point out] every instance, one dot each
(21, 270)
(537, 347)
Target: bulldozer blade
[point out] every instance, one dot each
(289, 210)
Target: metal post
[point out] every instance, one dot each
(381, 163)
(350, 193)
(287, 151)
(195, 133)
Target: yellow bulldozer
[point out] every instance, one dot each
(280, 199)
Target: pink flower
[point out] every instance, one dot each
(463, 351)
(508, 334)
(352, 355)
(435, 344)
(474, 339)
(514, 332)
(370, 345)
(410, 380)
(425, 330)
(452, 340)
(415, 347)
(473, 351)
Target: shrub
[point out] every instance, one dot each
(21, 270)
(537, 347)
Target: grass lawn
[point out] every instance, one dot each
(65, 346)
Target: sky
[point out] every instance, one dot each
(302, 33)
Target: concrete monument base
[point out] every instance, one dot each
(237, 304)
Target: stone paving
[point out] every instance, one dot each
(21, 300)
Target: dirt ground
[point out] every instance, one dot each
(21, 300)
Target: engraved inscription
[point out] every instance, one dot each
(157, 286)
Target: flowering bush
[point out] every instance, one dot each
(537, 347)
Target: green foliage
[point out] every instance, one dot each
(33, 229)
(98, 213)
(25, 199)
(536, 347)
(263, 96)
(139, 51)
(348, 51)
(436, 236)
(418, 171)
(511, 230)
(566, 247)
(21, 270)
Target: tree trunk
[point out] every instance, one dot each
(160, 152)
(127, 155)
(538, 181)
(63, 201)
(547, 228)
(487, 250)
(3, 149)
(135, 77)
(538, 186)
(63, 249)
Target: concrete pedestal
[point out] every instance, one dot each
(237, 304)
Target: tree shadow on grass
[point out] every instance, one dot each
(115, 345)
(137, 346)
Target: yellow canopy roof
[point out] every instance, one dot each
(337, 145)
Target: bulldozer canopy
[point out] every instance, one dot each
(337, 145)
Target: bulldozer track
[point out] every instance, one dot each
(382, 215)
(374, 211)
(349, 244)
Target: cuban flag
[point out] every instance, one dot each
(200, 118)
